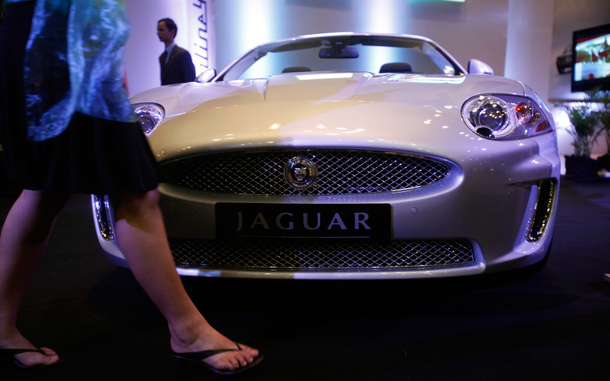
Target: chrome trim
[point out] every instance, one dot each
(103, 215)
(475, 269)
(545, 201)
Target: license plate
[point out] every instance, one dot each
(337, 221)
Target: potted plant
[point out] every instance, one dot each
(602, 97)
(587, 128)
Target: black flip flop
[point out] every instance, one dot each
(194, 359)
(9, 354)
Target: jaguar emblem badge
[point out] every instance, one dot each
(300, 173)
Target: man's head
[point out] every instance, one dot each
(167, 30)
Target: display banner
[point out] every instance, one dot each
(200, 14)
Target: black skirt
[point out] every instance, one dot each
(92, 155)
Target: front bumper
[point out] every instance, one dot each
(476, 220)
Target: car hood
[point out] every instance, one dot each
(406, 112)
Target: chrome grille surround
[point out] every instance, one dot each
(340, 172)
(547, 196)
(353, 255)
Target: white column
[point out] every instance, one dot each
(528, 43)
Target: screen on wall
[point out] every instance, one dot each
(591, 59)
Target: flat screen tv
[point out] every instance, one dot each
(591, 59)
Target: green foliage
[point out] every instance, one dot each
(588, 124)
(585, 130)
(603, 100)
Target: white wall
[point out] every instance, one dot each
(143, 48)
(473, 29)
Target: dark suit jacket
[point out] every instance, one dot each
(179, 67)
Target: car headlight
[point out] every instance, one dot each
(504, 117)
(150, 116)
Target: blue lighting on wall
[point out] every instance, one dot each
(252, 23)
(248, 23)
(382, 16)
(256, 21)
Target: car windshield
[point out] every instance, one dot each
(374, 54)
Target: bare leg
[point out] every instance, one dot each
(142, 239)
(24, 237)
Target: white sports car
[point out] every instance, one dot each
(350, 156)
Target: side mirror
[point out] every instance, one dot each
(206, 76)
(479, 67)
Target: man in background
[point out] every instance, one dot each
(176, 63)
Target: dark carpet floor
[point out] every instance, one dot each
(551, 325)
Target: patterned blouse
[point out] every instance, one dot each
(74, 63)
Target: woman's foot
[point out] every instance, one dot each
(198, 360)
(30, 357)
(237, 356)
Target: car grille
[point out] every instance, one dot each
(339, 172)
(292, 256)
